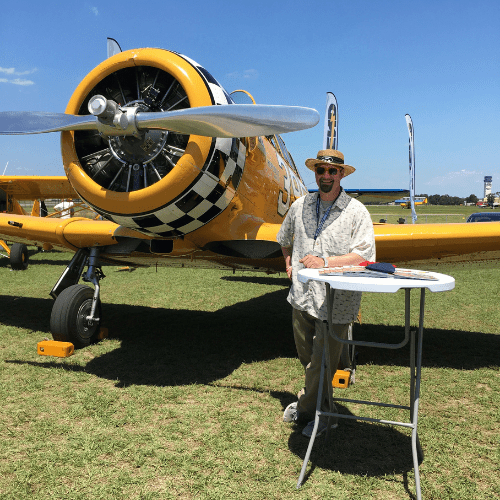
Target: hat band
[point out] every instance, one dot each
(331, 159)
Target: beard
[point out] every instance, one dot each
(325, 187)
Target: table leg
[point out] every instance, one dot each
(412, 351)
(415, 443)
(316, 420)
(325, 362)
(330, 297)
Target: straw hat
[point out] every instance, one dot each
(330, 157)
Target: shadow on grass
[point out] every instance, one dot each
(358, 448)
(36, 258)
(41, 261)
(167, 347)
(441, 348)
(260, 280)
(355, 447)
(173, 347)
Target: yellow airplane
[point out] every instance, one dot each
(405, 202)
(181, 176)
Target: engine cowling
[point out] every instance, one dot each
(158, 182)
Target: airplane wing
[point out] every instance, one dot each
(422, 244)
(31, 187)
(428, 244)
(419, 244)
(70, 234)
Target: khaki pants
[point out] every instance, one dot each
(309, 333)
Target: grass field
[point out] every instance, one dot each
(427, 214)
(184, 400)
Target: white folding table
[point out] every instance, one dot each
(387, 284)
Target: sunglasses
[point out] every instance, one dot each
(331, 171)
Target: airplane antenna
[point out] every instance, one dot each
(330, 134)
(409, 123)
(5, 169)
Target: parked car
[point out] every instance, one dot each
(484, 217)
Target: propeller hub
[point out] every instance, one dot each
(104, 109)
(142, 149)
(97, 105)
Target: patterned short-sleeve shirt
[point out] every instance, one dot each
(347, 229)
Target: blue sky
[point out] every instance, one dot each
(437, 60)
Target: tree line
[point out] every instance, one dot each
(446, 199)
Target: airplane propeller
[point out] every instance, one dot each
(232, 120)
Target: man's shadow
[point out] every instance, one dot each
(354, 447)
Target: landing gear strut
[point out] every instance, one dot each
(76, 314)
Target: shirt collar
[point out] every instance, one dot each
(341, 202)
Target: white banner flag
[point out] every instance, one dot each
(330, 135)
(113, 47)
(409, 123)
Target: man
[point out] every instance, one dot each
(66, 209)
(323, 229)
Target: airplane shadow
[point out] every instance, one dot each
(179, 347)
(260, 280)
(182, 347)
(46, 261)
(455, 349)
(36, 258)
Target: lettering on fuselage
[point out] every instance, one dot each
(285, 194)
(292, 188)
(271, 166)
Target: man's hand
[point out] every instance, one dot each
(312, 262)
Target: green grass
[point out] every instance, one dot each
(185, 398)
(426, 214)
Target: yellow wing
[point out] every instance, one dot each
(31, 187)
(422, 244)
(72, 234)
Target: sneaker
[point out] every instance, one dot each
(308, 429)
(291, 414)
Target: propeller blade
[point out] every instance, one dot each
(34, 122)
(233, 120)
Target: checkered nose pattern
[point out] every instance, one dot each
(206, 198)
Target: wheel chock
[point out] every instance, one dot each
(103, 333)
(55, 348)
(341, 379)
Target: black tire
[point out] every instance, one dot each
(19, 257)
(67, 321)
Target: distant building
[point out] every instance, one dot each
(487, 186)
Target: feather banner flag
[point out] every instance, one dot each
(330, 135)
(409, 123)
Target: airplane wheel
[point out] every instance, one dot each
(19, 257)
(68, 321)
